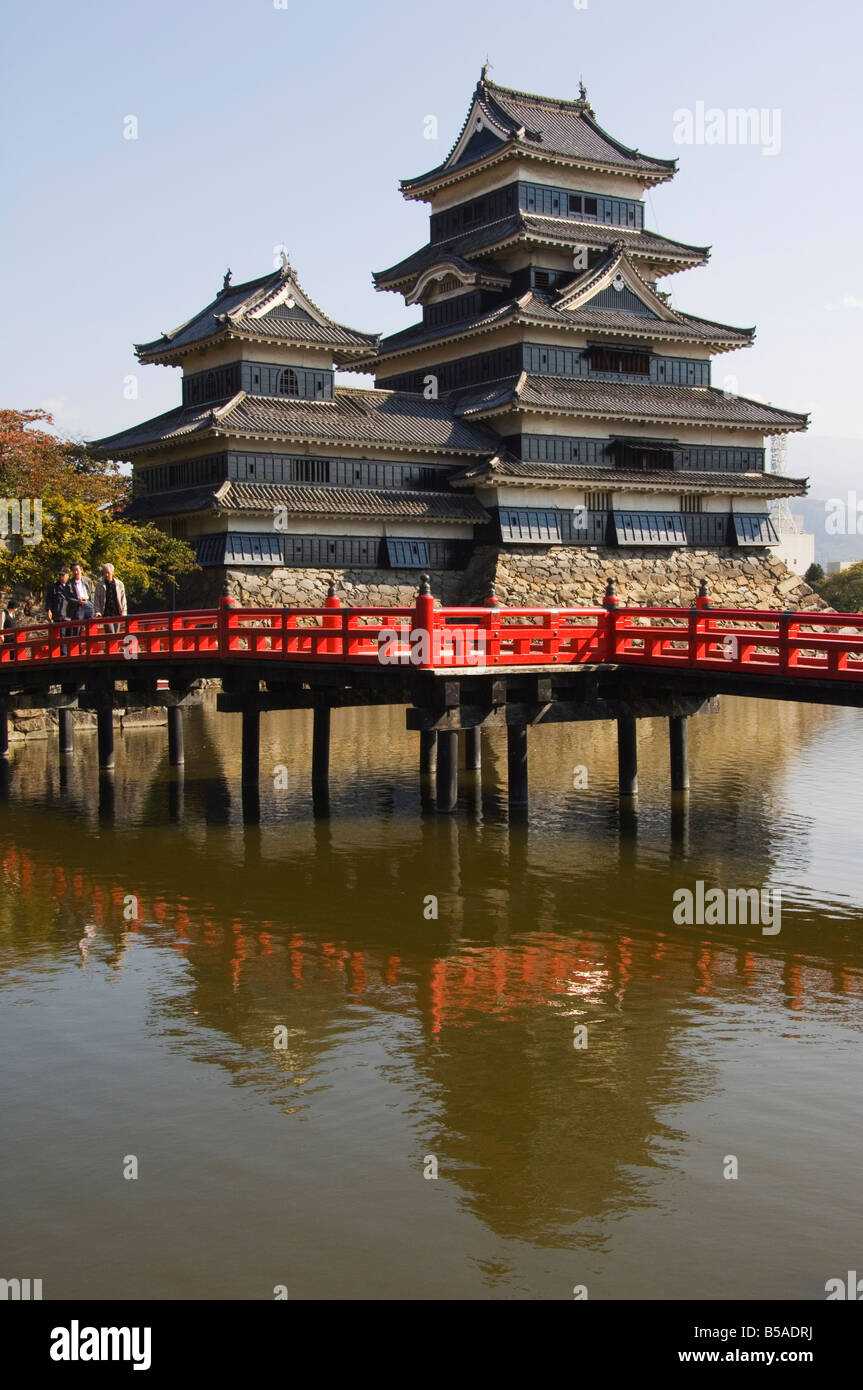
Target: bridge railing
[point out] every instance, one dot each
(191, 632)
(747, 640)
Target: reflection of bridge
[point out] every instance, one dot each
(460, 669)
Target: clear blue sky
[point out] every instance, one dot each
(258, 125)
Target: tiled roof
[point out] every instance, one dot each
(187, 499)
(519, 471)
(394, 419)
(301, 500)
(174, 424)
(610, 400)
(231, 312)
(349, 501)
(546, 125)
(539, 305)
(527, 227)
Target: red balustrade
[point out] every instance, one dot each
(746, 640)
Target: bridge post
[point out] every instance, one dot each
(679, 748)
(627, 755)
(64, 730)
(428, 752)
(105, 736)
(321, 747)
(4, 731)
(250, 757)
(447, 770)
(176, 752)
(473, 749)
(516, 762)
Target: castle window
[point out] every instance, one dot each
(649, 528)
(598, 501)
(590, 207)
(574, 203)
(407, 554)
(289, 383)
(624, 360)
(690, 504)
(530, 526)
(754, 529)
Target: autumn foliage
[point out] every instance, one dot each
(80, 495)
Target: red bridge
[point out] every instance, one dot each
(703, 638)
(458, 669)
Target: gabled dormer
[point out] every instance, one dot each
(269, 318)
(507, 127)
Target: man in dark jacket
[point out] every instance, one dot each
(56, 600)
(8, 624)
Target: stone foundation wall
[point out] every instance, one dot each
(25, 724)
(567, 576)
(260, 587)
(527, 575)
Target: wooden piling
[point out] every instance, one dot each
(627, 755)
(447, 770)
(516, 758)
(251, 756)
(678, 744)
(473, 749)
(64, 730)
(428, 752)
(105, 736)
(176, 752)
(321, 747)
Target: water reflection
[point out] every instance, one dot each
(319, 924)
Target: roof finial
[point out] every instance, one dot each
(286, 264)
(583, 100)
(226, 283)
(486, 69)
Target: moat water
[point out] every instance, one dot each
(325, 1086)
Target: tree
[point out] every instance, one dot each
(76, 524)
(814, 575)
(844, 591)
(34, 463)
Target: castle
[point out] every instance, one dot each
(548, 423)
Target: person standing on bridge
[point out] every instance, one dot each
(56, 602)
(8, 624)
(109, 599)
(79, 597)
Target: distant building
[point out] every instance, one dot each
(796, 546)
(548, 420)
(837, 566)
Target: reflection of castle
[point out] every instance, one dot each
(536, 1133)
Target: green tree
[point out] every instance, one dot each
(148, 561)
(814, 575)
(844, 591)
(77, 495)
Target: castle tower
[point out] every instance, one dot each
(542, 318)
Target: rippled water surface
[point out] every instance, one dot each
(273, 1023)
